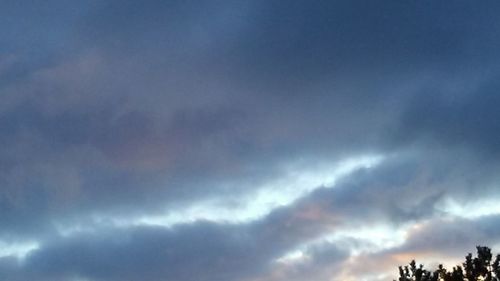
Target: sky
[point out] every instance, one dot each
(259, 140)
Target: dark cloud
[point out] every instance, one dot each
(198, 251)
(186, 253)
(123, 109)
(459, 119)
(456, 236)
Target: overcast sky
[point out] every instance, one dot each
(258, 140)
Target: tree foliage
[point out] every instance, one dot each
(481, 267)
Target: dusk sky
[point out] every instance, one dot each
(235, 140)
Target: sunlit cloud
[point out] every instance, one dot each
(358, 240)
(293, 257)
(18, 250)
(296, 182)
(470, 209)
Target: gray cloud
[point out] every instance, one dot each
(462, 119)
(125, 109)
(441, 240)
(198, 251)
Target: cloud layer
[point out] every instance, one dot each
(245, 141)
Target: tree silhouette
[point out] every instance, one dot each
(478, 268)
